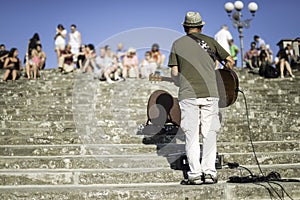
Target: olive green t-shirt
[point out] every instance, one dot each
(197, 78)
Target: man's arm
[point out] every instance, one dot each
(175, 75)
(229, 62)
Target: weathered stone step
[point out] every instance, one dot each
(76, 149)
(263, 120)
(86, 161)
(79, 108)
(63, 135)
(115, 134)
(270, 87)
(37, 124)
(129, 124)
(101, 111)
(167, 191)
(146, 160)
(68, 116)
(56, 84)
(92, 176)
(126, 175)
(37, 132)
(25, 109)
(34, 104)
(263, 157)
(133, 149)
(241, 134)
(272, 103)
(237, 147)
(23, 116)
(67, 139)
(30, 91)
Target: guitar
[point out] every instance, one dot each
(227, 82)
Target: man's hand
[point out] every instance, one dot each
(229, 62)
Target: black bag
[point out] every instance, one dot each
(271, 72)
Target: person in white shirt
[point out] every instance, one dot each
(258, 41)
(74, 40)
(60, 39)
(223, 36)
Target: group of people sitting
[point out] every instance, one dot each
(106, 64)
(34, 61)
(111, 65)
(261, 57)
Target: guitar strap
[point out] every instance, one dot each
(206, 48)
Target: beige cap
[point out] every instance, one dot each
(131, 50)
(193, 19)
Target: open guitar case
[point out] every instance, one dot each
(163, 123)
(163, 129)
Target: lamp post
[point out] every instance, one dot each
(237, 21)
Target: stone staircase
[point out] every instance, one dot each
(68, 136)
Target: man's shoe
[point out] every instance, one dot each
(209, 179)
(196, 181)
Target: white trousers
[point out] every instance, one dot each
(203, 112)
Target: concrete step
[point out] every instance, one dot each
(60, 134)
(115, 133)
(58, 176)
(143, 160)
(135, 149)
(241, 133)
(76, 149)
(168, 191)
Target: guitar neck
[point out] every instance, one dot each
(168, 79)
(154, 77)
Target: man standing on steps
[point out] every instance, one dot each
(223, 36)
(75, 41)
(193, 71)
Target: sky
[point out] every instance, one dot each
(137, 23)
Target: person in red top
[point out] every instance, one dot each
(251, 57)
(66, 63)
(157, 56)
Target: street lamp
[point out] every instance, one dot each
(237, 21)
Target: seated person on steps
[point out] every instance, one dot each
(12, 65)
(148, 65)
(42, 56)
(157, 56)
(282, 60)
(66, 63)
(251, 57)
(130, 62)
(33, 64)
(90, 59)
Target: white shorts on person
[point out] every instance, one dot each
(60, 42)
(203, 112)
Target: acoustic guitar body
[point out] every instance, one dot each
(228, 86)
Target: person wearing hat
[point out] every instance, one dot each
(192, 69)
